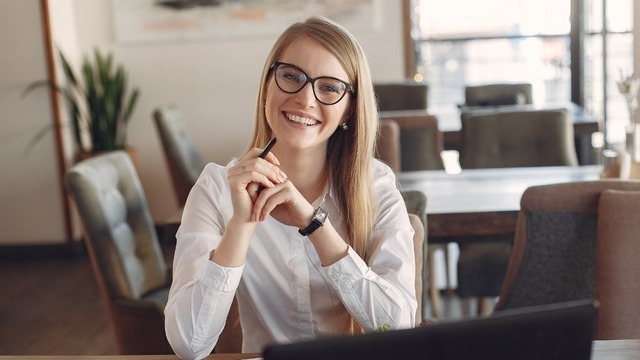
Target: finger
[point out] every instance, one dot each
(272, 159)
(268, 200)
(273, 172)
(254, 190)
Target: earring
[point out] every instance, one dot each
(344, 126)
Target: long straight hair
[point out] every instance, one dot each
(349, 152)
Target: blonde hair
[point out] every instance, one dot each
(350, 151)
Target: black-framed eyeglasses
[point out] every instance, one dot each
(327, 90)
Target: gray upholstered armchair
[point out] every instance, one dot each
(183, 158)
(121, 238)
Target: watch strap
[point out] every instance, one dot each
(319, 216)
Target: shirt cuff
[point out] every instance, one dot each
(221, 278)
(347, 270)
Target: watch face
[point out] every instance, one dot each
(320, 215)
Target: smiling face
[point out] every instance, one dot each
(299, 119)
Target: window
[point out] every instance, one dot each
(608, 51)
(462, 42)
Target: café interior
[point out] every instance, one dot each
(513, 135)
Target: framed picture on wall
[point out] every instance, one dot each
(156, 21)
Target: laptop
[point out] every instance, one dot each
(556, 331)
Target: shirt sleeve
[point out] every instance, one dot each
(381, 291)
(202, 291)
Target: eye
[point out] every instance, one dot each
(330, 86)
(289, 76)
(292, 75)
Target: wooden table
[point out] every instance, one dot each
(482, 203)
(474, 204)
(127, 357)
(602, 350)
(450, 124)
(616, 350)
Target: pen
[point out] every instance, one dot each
(268, 148)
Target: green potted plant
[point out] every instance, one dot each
(98, 102)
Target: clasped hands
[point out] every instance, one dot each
(259, 188)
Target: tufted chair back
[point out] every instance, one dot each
(120, 235)
(183, 158)
(517, 138)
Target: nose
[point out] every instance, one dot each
(306, 96)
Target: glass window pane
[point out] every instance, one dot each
(619, 60)
(468, 18)
(464, 42)
(607, 102)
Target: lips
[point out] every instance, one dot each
(301, 120)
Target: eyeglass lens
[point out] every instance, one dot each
(291, 79)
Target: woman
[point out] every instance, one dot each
(314, 238)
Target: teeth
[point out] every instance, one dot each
(301, 120)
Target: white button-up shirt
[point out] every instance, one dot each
(284, 293)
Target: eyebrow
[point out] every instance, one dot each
(313, 77)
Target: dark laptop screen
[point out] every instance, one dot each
(558, 331)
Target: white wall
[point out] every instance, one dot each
(218, 103)
(31, 197)
(636, 48)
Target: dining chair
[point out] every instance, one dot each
(420, 144)
(180, 152)
(559, 242)
(421, 141)
(407, 95)
(125, 253)
(418, 246)
(498, 94)
(617, 265)
(506, 139)
(388, 144)
(416, 203)
(517, 138)
(126, 257)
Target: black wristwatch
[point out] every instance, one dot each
(319, 217)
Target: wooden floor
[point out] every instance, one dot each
(51, 306)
